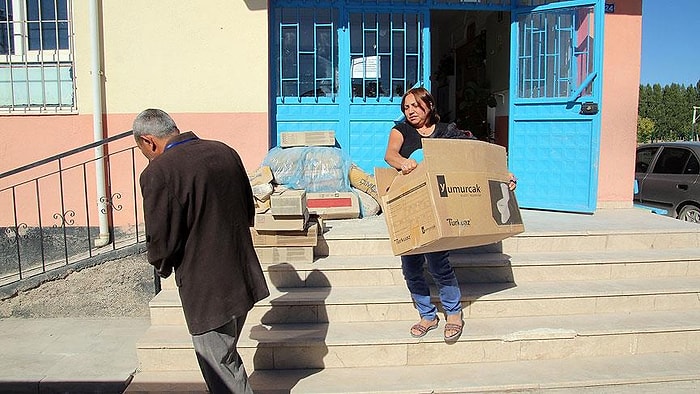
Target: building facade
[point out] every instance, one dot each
(556, 82)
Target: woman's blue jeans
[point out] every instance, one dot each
(443, 275)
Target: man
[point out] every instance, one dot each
(198, 207)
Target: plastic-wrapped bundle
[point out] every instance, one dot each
(284, 164)
(312, 168)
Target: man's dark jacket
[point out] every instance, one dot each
(198, 207)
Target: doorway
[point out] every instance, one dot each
(470, 76)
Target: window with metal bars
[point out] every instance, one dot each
(384, 59)
(385, 52)
(307, 52)
(555, 55)
(36, 56)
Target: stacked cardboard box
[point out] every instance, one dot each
(338, 205)
(284, 233)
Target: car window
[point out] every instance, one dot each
(693, 166)
(672, 161)
(644, 158)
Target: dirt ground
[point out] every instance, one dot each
(118, 288)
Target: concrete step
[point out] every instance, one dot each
(175, 381)
(529, 242)
(384, 270)
(479, 267)
(612, 373)
(388, 343)
(617, 229)
(652, 373)
(375, 303)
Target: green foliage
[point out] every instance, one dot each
(666, 113)
(645, 129)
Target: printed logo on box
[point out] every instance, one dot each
(504, 206)
(446, 190)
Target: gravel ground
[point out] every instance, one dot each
(118, 288)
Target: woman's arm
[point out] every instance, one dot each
(392, 156)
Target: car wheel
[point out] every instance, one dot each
(690, 213)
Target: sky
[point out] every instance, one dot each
(670, 42)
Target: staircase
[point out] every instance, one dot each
(577, 302)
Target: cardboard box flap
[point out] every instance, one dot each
(384, 176)
(466, 155)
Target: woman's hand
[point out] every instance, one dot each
(513, 183)
(408, 165)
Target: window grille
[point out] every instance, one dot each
(386, 54)
(307, 53)
(36, 56)
(555, 54)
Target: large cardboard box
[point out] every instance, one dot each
(307, 138)
(457, 197)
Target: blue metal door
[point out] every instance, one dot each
(343, 66)
(555, 90)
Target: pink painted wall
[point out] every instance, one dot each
(621, 70)
(27, 139)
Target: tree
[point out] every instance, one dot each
(670, 109)
(645, 130)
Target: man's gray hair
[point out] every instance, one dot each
(155, 122)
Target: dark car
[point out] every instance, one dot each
(667, 176)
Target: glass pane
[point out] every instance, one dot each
(583, 48)
(307, 75)
(289, 52)
(671, 161)
(644, 158)
(693, 166)
(62, 9)
(412, 34)
(32, 10)
(47, 35)
(306, 30)
(6, 28)
(34, 36)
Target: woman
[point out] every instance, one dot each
(422, 121)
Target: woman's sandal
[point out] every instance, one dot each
(453, 331)
(423, 329)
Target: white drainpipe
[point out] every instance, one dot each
(98, 133)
